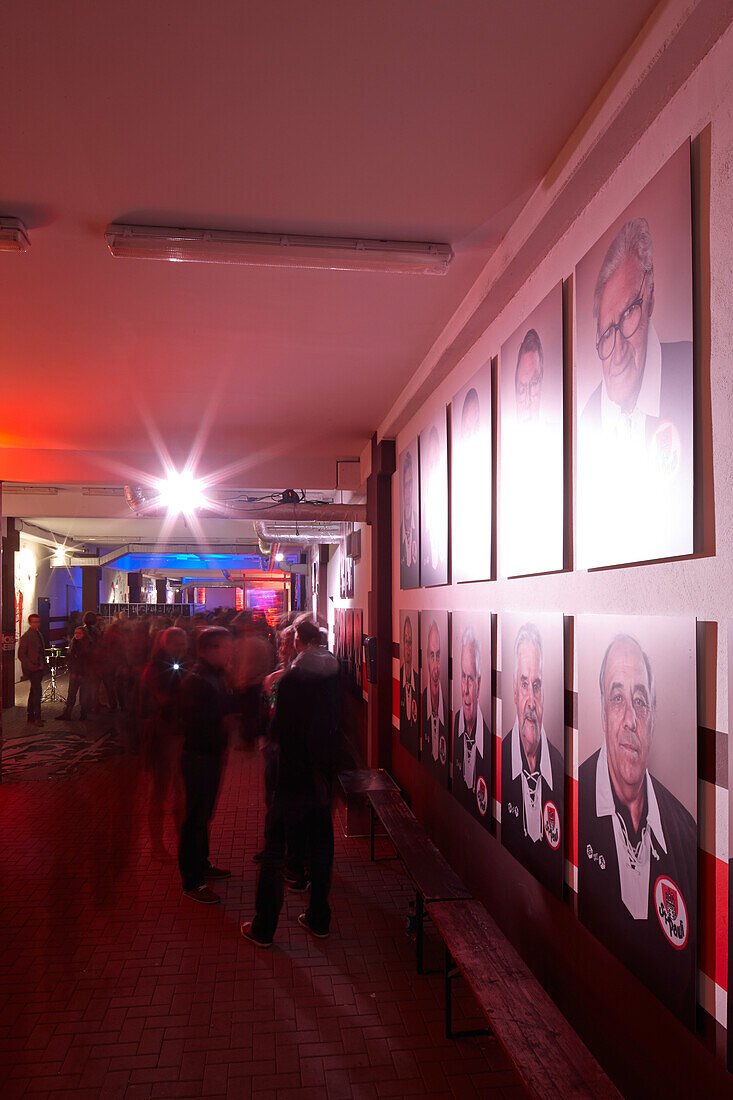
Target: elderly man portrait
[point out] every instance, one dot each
(637, 844)
(532, 770)
(636, 426)
(409, 692)
(471, 734)
(435, 713)
(409, 563)
(528, 379)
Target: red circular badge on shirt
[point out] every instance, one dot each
(482, 796)
(551, 825)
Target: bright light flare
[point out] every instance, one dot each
(181, 493)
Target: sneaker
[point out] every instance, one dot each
(258, 856)
(203, 895)
(217, 872)
(304, 923)
(246, 930)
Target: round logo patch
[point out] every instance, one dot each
(442, 749)
(482, 796)
(414, 711)
(551, 823)
(671, 911)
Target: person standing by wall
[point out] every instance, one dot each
(32, 657)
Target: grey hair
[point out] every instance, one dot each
(633, 238)
(528, 632)
(470, 400)
(469, 638)
(629, 638)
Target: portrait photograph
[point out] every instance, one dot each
(634, 378)
(472, 720)
(435, 750)
(637, 797)
(410, 682)
(471, 479)
(408, 481)
(532, 711)
(530, 519)
(349, 642)
(434, 502)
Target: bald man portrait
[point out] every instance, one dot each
(471, 734)
(637, 844)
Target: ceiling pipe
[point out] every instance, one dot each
(307, 536)
(303, 512)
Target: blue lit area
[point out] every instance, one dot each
(131, 563)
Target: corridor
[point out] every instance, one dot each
(114, 985)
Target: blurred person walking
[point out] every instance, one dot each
(307, 728)
(77, 662)
(205, 702)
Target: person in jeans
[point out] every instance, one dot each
(77, 662)
(32, 657)
(307, 728)
(205, 700)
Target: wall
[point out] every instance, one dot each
(647, 1050)
(113, 587)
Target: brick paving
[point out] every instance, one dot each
(114, 985)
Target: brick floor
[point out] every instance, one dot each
(114, 985)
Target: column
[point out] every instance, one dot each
(379, 516)
(10, 544)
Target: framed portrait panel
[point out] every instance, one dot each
(531, 443)
(434, 502)
(637, 797)
(435, 715)
(408, 496)
(349, 642)
(634, 379)
(472, 719)
(471, 479)
(410, 682)
(532, 710)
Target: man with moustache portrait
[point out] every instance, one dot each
(532, 771)
(637, 844)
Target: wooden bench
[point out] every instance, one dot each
(433, 877)
(548, 1055)
(354, 786)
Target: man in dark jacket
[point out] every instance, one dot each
(307, 727)
(205, 701)
(32, 657)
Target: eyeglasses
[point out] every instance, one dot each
(627, 325)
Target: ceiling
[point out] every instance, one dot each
(425, 120)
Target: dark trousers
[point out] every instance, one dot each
(75, 685)
(201, 775)
(313, 823)
(34, 695)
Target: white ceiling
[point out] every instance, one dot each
(410, 119)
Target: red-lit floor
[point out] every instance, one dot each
(114, 985)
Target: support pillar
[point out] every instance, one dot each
(10, 544)
(134, 584)
(323, 554)
(379, 516)
(160, 590)
(90, 587)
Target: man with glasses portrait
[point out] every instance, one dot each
(642, 403)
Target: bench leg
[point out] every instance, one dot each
(419, 918)
(450, 973)
(372, 817)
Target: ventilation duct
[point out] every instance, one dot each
(294, 535)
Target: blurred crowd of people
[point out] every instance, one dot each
(189, 686)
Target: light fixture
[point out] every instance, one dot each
(277, 250)
(181, 492)
(13, 236)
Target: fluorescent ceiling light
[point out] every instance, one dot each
(277, 250)
(13, 236)
(181, 493)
